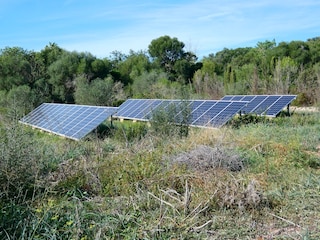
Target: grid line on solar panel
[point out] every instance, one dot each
(269, 105)
(86, 115)
(216, 107)
(277, 106)
(253, 104)
(142, 110)
(65, 119)
(265, 104)
(148, 114)
(137, 109)
(227, 97)
(140, 103)
(91, 124)
(192, 112)
(228, 112)
(183, 113)
(124, 111)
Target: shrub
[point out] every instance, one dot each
(247, 119)
(171, 120)
(204, 158)
(128, 132)
(20, 162)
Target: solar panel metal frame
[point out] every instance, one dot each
(67, 120)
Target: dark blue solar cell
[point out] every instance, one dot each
(206, 117)
(141, 111)
(265, 104)
(237, 98)
(255, 102)
(200, 110)
(151, 109)
(125, 107)
(136, 108)
(282, 102)
(85, 115)
(227, 97)
(224, 116)
(72, 121)
(247, 98)
(147, 113)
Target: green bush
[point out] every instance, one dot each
(20, 162)
(247, 119)
(129, 131)
(171, 120)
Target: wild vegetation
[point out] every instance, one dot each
(28, 78)
(255, 178)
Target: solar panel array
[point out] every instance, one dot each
(76, 121)
(269, 105)
(206, 113)
(68, 120)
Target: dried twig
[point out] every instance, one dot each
(202, 226)
(285, 220)
(163, 201)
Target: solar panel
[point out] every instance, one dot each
(276, 107)
(269, 105)
(227, 97)
(137, 109)
(253, 104)
(199, 116)
(68, 120)
(265, 104)
(227, 113)
(198, 113)
(155, 103)
(128, 106)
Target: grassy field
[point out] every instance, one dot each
(254, 181)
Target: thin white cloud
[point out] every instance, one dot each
(206, 26)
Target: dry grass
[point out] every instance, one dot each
(205, 158)
(256, 182)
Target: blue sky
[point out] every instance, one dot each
(205, 26)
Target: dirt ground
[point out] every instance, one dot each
(304, 109)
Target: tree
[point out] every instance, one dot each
(284, 75)
(62, 73)
(20, 100)
(133, 66)
(299, 52)
(166, 51)
(15, 68)
(98, 92)
(247, 80)
(51, 53)
(314, 46)
(144, 85)
(186, 67)
(207, 82)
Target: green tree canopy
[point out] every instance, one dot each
(166, 51)
(15, 68)
(98, 92)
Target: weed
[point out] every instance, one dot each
(204, 158)
(256, 181)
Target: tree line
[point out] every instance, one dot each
(165, 70)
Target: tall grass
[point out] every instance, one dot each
(136, 184)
